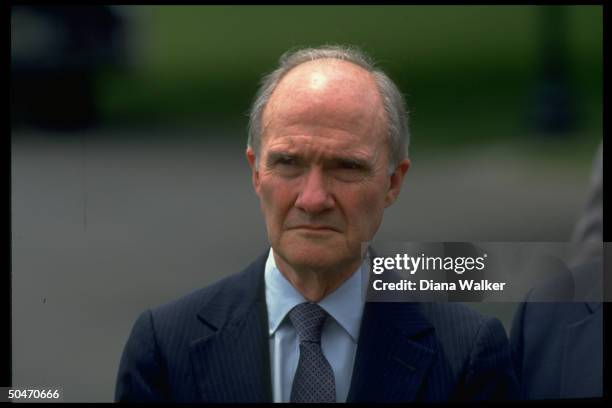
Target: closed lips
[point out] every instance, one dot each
(314, 227)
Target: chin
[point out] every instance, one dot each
(315, 254)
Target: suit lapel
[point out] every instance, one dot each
(582, 366)
(582, 370)
(394, 352)
(232, 363)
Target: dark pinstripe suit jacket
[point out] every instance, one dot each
(212, 346)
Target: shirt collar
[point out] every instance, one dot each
(345, 304)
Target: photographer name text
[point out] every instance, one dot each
(430, 285)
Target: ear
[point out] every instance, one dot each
(250, 155)
(396, 180)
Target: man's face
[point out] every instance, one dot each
(322, 177)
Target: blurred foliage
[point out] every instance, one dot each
(468, 72)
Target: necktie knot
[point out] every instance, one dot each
(308, 319)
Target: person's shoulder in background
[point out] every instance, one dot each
(557, 347)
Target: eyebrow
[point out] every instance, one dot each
(277, 154)
(359, 160)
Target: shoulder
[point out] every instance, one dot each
(212, 305)
(465, 335)
(472, 349)
(548, 308)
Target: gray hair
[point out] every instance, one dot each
(393, 100)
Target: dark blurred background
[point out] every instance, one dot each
(129, 184)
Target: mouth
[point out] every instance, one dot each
(309, 227)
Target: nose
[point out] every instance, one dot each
(314, 197)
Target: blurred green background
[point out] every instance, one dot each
(469, 72)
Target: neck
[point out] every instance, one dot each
(316, 283)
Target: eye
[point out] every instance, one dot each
(349, 170)
(350, 165)
(286, 165)
(286, 160)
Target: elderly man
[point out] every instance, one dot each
(328, 152)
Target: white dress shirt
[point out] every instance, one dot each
(338, 338)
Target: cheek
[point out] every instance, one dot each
(366, 210)
(276, 199)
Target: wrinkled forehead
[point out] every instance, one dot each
(330, 146)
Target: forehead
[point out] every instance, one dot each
(336, 96)
(326, 77)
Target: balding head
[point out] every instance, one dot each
(328, 58)
(327, 91)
